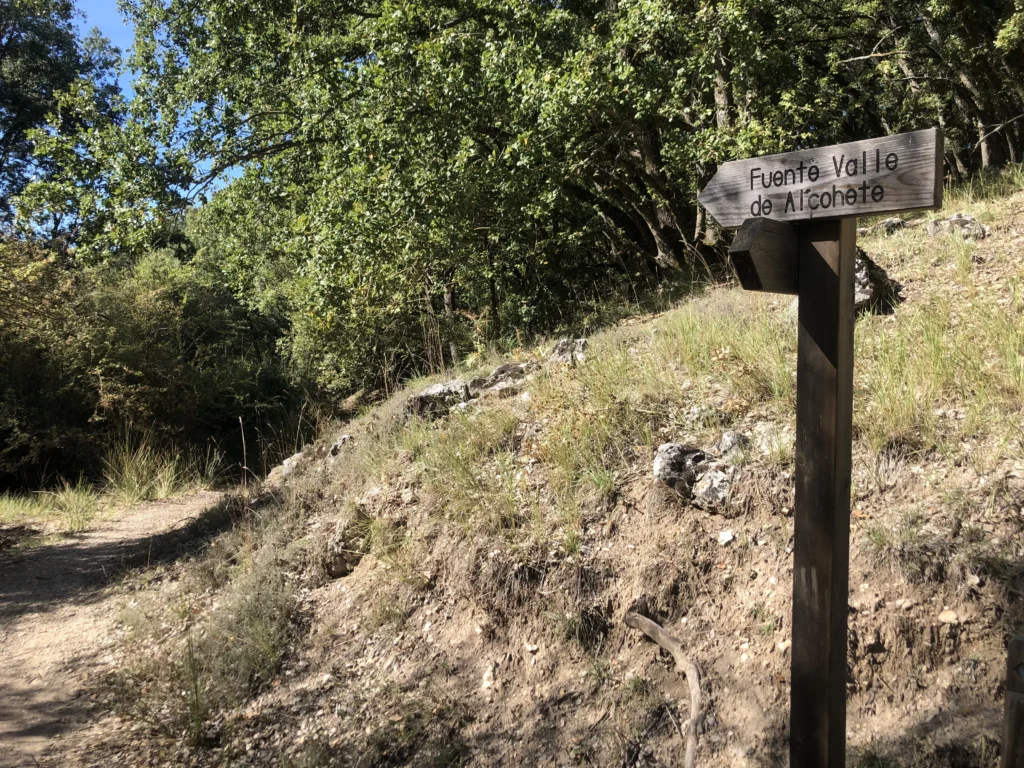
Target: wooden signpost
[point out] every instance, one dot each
(822, 191)
(1013, 725)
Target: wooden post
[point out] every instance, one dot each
(821, 557)
(821, 191)
(1013, 728)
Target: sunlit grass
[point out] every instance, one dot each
(948, 365)
(139, 470)
(71, 507)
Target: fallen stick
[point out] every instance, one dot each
(685, 667)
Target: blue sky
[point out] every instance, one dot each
(103, 14)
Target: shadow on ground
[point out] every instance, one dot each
(74, 571)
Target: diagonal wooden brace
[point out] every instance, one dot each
(765, 254)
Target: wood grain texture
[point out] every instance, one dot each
(821, 554)
(1013, 723)
(765, 256)
(884, 175)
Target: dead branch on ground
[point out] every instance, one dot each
(685, 667)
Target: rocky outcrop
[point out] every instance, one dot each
(885, 226)
(873, 289)
(502, 379)
(713, 485)
(695, 474)
(438, 399)
(283, 471)
(732, 444)
(348, 544)
(771, 440)
(569, 351)
(441, 399)
(962, 224)
(677, 466)
(340, 443)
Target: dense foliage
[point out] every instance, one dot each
(391, 185)
(158, 350)
(40, 58)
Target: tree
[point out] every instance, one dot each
(410, 180)
(40, 57)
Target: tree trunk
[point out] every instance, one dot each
(984, 142)
(431, 333)
(698, 231)
(449, 311)
(492, 286)
(954, 167)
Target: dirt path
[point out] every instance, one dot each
(56, 614)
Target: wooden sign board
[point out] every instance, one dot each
(884, 175)
(822, 192)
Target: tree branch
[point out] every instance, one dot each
(872, 56)
(685, 667)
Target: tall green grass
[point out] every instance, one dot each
(76, 504)
(72, 506)
(139, 470)
(985, 186)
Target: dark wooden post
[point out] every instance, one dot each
(821, 557)
(887, 174)
(1013, 728)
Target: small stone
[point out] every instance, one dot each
(488, 679)
(890, 225)
(726, 537)
(339, 444)
(279, 473)
(784, 646)
(409, 496)
(949, 617)
(531, 648)
(772, 440)
(732, 442)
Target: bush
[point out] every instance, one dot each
(156, 349)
